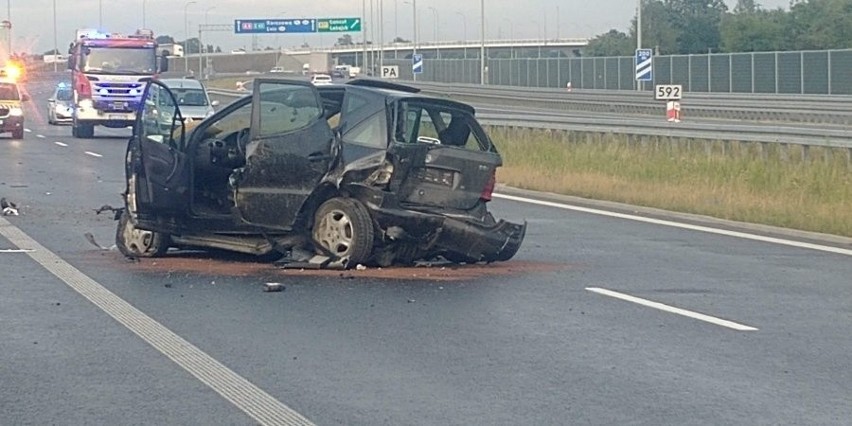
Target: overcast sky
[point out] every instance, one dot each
(32, 20)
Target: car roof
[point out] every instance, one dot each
(182, 83)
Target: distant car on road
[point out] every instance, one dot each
(11, 111)
(321, 79)
(276, 70)
(191, 97)
(60, 105)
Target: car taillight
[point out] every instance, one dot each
(82, 86)
(489, 187)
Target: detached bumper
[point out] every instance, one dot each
(463, 237)
(482, 243)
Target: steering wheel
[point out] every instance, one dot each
(242, 140)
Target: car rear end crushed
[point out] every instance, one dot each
(427, 193)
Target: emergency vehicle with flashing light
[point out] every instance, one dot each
(11, 110)
(108, 75)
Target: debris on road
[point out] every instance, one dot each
(91, 239)
(360, 267)
(9, 208)
(273, 287)
(116, 211)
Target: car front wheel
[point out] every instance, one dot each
(134, 242)
(343, 227)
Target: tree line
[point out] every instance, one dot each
(707, 26)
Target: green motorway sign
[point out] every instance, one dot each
(338, 25)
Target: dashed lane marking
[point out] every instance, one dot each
(666, 308)
(28, 130)
(60, 143)
(40, 136)
(246, 396)
(707, 229)
(93, 154)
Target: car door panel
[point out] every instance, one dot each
(291, 150)
(157, 164)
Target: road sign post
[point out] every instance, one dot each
(671, 94)
(303, 25)
(416, 64)
(644, 66)
(390, 71)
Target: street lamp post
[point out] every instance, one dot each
(437, 48)
(9, 19)
(144, 23)
(55, 42)
(482, 66)
(464, 27)
(186, 35)
(413, 4)
(100, 14)
(202, 48)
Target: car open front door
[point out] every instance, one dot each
(290, 150)
(157, 175)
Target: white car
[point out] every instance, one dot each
(321, 79)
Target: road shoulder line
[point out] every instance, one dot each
(249, 398)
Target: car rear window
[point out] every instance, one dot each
(439, 124)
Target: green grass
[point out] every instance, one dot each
(767, 184)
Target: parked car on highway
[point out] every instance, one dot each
(60, 105)
(321, 79)
(192, 97)
(11, 110)
(402, 177)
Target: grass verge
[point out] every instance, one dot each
(772, 184)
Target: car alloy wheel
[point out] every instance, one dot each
(343, 227)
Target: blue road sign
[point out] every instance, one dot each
(275, 26)
(417, 64)
(644, 60)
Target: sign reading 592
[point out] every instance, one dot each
(668, 92)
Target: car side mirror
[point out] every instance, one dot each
(214, 103)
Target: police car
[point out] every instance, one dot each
(60, 105)
(11, 110)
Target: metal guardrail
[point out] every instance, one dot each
(775, 108)
(541, 118)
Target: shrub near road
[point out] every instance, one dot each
(778, 186)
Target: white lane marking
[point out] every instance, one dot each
(27, 130)
(40, 136)
(736, 234)
(60, 143)
(16, 251)
(249, 398)
(93, 154)
(671, 309)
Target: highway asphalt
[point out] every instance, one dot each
(596, 321)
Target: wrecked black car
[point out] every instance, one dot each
(367, 172)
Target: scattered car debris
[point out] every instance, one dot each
(91, 239)
(360, 267)
(273, 287)
(9, 208)
(108, 208)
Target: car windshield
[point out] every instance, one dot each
(64, 95)
(9, 92)
(114, 60)
(190, 97)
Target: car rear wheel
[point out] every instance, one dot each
(134, 242)
(343, 227)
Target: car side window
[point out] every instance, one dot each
(285, 108)
(370, 132)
